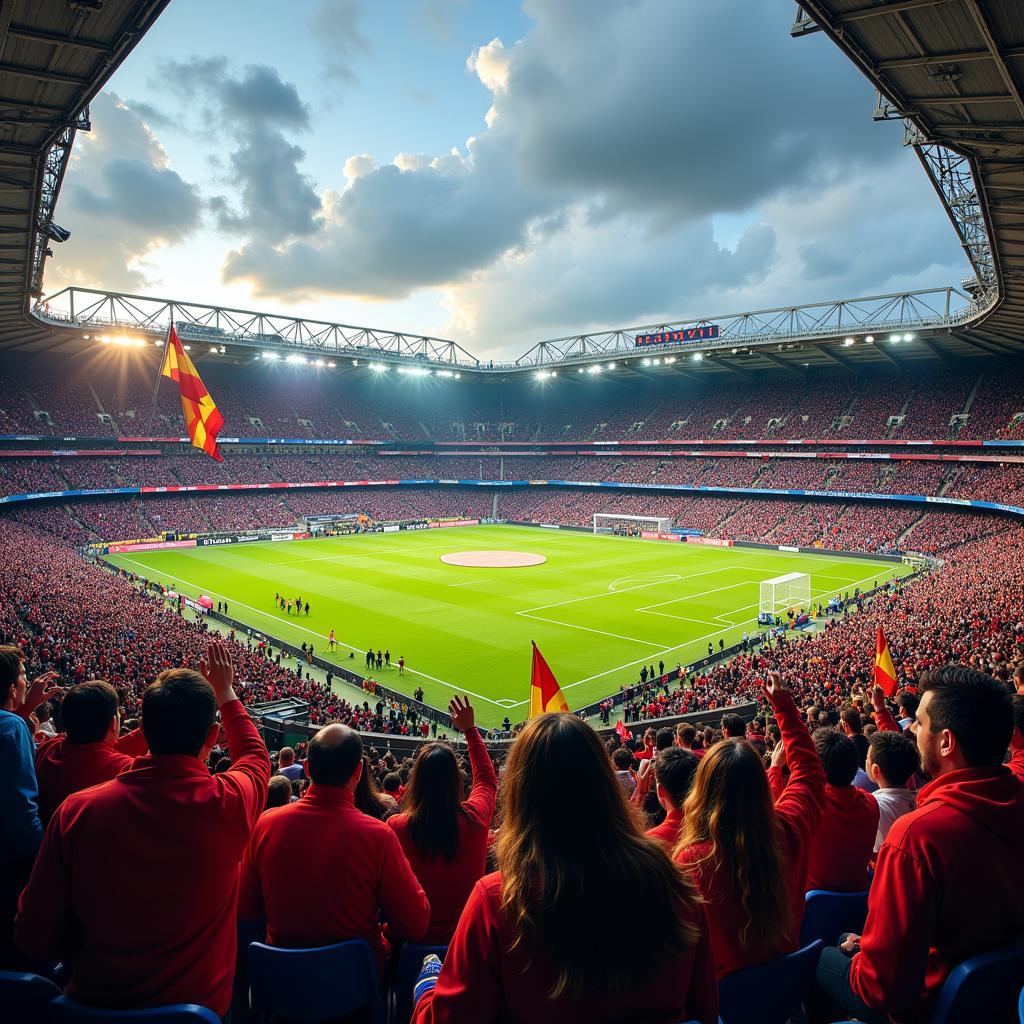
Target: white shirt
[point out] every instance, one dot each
(892, 804)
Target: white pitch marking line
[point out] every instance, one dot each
(468, 583)
(590, 629)
(312, 632)
(687, 643)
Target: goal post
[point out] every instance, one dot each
(606, 522)
(784, 592)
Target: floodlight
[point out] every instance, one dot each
(698, 357)
(908, 337)
(646, 362)
(870, 339)
(847, 342)
(270, 355)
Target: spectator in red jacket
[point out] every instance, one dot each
(168, 836)
(947, 881)
(352, 866)
(844, 840)
(748, 856)
(674, 771)
(91, 752)
(443, 835)
(532, 945)
(1016, 762)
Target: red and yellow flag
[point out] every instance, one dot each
(545, 694)
(885, 673)
(202, 417)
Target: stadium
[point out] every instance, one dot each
(451, 658)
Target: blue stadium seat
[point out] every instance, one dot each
(828, 914)
(768, 993)
(23, 997)
(1020, 1006)
(982, 988)
(410, 960)
(314, 984)
(64, 1010)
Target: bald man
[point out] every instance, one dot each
(319, 871)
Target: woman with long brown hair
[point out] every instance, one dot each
(444, 833)
(539, 941)
(748, 855)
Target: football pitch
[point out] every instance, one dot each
(599, 607)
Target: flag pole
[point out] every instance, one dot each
(159, 374)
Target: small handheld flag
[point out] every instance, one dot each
(885, 673)
(202, 418)
(545, 694)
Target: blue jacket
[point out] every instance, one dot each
(20, 829)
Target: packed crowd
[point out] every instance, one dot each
(279, 401)
(711, 840)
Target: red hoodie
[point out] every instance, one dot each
(63, 767)
(1016, 763)
(136, 880)
(947, 886)
(485, 980)
(798, 811)
(844, 841)
(448, 885)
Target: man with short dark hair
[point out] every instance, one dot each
(907, 703)
(947, 880)
(733, 727)
(674, 769)
(353, 867)
(853, 726)
(842, 843)
(172, 835)
(91, 751)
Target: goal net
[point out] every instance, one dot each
(784, 592)
(609, 522)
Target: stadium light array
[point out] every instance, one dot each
(269, 355)
(414, 371)
(611, 366)
(670, 359)
(379, 367)
(646, 362)
(847, 342)
(870, 339)
(698, 357)
(444, 373)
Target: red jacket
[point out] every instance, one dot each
(448, 885)
(63, 767)
(947, 886)
(484, 981)
(1016, 763)
(668, 831)
(321, 872)
(844, 841)
(136, 879)
(798, 811)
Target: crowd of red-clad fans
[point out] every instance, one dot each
(121, 719)
(85, 398)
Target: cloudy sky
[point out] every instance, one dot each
(495, 172)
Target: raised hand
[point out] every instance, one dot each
(219, 671)
(39, 691)
(462, 714)
(878, 698)
(775, 685)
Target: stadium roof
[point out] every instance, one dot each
(952, 69)
(55, 55)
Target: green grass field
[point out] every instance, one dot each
(599, 608)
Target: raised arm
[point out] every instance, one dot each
(802, 803)
(249, 774)
(883, 716)
(479, 806)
